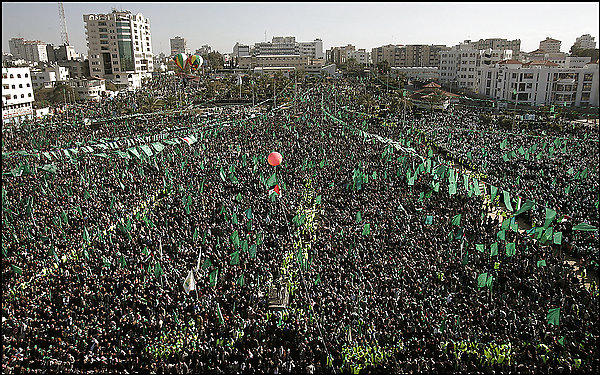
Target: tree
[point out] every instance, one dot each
(214, 60)
(580, 52)
(56, 95)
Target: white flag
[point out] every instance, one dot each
(198, 264)
(189, 284)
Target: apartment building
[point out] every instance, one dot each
(339, 55)
(179, 45)
(408, 55)
(279, 45)
(49, 76)
(459, 64)
(497, 44)
(88, 89)
(29, 50)
(240, 50)
(313, 49)
(550, 45)
(275, 61)
(541, 83)
(17, 95)
(119, 47)
(390, 53)
(419, 73)
(585, 41)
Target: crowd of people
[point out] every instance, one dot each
(381, 261)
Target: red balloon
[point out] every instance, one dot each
(274, 158)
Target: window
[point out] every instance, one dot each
(26, 75)
(22, 96)
(18, 76)
(29, 95)
(12, 76)
(14, 87)
(20, 85)
(28, 85)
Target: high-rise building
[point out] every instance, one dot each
(119, 47)
(550, 45)
(179, 45)
(240, 50)
(585, 41)
(30, 50)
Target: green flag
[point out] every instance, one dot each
(235, 258)
(494, 249)
(240, 280)
(456, 219)
(557, 238)
(507, 200)
(249, 213)
(272, 181)
(553, 316)
(86, 236)
(206, 264)
(541, 263)
(493, 192)
(318, 200)
(550, 215)
(501, 235)
(525, 207)
(485, 280)
(585, 227)
(510, 249)
(466, 258)
(358, 217)
(452, 188)
(318, 279)
(366, 230)
(429, 220)
(480, 247)
(16, 269)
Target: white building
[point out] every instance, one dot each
(49, 76)
(279, 45)
(361, 56)
(179, 45)
(576, 62)
(119, 47)
(420, 73)
(541, 83)
(313, 49)
(17, 95)
(585, 41)
(458, 66)
(240, 50)
(88, 89)
(29, 50)
(550, 45)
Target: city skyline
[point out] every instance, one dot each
(221, 25)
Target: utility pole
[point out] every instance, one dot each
(274, 98)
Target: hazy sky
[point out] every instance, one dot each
(365, 25)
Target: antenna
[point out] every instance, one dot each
(63, 24)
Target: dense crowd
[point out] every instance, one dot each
(382, 271)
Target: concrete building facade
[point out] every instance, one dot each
(550, 45)
(541, 83)
(178, 45)
(585, 41)
(17, 95)
(119, 47)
